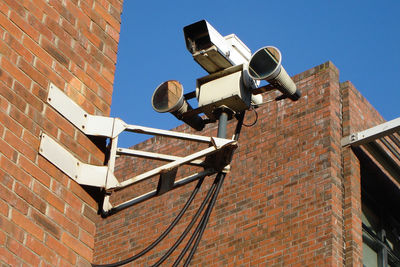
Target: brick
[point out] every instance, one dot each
(77, 12)
(115, 12)
(4, 8)
(47, 9)
(10, 27)
(22, 252)
(71, 199)
(52, 171)
(40, 27)
(13, 97)
(18, 48)
(73, 147)
(20, 146)
(60, 121)
(49, 74)
(54, 52)
(61, 249)
(110, 19)
(29, 97)
(40, 249)
(83, 222)
(86, 56)
(46, 218)
(14, 171)
(49, 197)
(3, 238)
(35, 75)
(31, 198)
(86, 238)
(7, 150)
(25, 121)
(27, 224)
(63, 11)
(77, 189)
(3, 210)
(69, 53)
(24, 26)
(77, 246)
(37, 50)
(66, 223)
(11, 229)
(33, 9)
(16, 6)
(100, 80)
(95, 40)
(47, 224)
(93, 15)
(9, 258)
(16, 73)
(39, 92)
(31, 140)
(83, 77)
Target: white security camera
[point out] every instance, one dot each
(233, 79)
(213, 51)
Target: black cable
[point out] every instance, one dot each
(162, 236)
(189, 227)
(201, 224)
(215, 188)
(255, 120)
(240, 118)
(207, 217)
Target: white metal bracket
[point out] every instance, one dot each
(82, 173)
(103, 176)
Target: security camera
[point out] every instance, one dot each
(266, 64)
(213, 51)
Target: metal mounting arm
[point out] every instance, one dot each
(103, 176)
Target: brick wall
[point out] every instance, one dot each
(358, 115)
(46, 219)
(281, 205)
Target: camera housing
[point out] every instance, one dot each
(211, 50)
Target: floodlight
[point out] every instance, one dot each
(168, 97)
(266, 64)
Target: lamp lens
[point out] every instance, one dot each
(167, 96)
(264, 62)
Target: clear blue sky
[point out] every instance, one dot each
(362, 38)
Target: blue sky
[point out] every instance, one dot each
(362, 38)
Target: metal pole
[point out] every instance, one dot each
(223, 121)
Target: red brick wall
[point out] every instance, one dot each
(358, 115)
(282, 203)
(46, 219)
